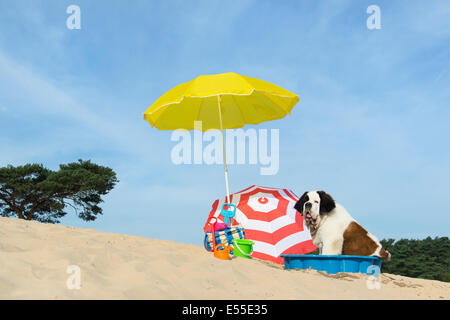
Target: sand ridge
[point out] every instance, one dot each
(35, 256)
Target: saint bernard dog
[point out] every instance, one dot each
(333, 230)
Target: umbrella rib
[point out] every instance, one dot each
(199, 108)
(159, 118)
(269, 95)
(243, 118)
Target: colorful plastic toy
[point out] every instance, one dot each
(243, 248)
(224, 253)
(219, 226)
(228, 213)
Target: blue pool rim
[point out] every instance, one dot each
(333, 264)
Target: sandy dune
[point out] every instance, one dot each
(34, 259)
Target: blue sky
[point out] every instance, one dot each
(372, 127)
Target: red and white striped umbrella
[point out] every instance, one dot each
(270, 221)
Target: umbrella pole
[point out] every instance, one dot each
(225, 168)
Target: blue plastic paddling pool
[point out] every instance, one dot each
(334, 264)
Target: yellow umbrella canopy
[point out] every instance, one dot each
(243, 100)
(220, 101)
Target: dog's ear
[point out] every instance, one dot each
(299, 205)
(326, 202)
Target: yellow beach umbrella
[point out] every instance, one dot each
(221, 101)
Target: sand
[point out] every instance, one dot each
(36, 258)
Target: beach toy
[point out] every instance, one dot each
(213, 232)
(219, 226)
(224, 253)
(212, 224)
(333, 263)
(243, 248)
(228, 213)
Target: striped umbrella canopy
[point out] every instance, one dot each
(270, 221)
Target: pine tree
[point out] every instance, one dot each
(32, 192)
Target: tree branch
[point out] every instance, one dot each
(12, 204)
(73, 207)
(36, 206)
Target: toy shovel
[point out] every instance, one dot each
(228, 213)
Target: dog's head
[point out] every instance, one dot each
(314, 204)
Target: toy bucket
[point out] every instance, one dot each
(222, 254)
(243, 248)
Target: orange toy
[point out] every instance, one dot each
(223, 254)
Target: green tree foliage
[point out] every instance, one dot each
(428, 258)
(33, 192)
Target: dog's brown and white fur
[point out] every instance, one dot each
(333, 230)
